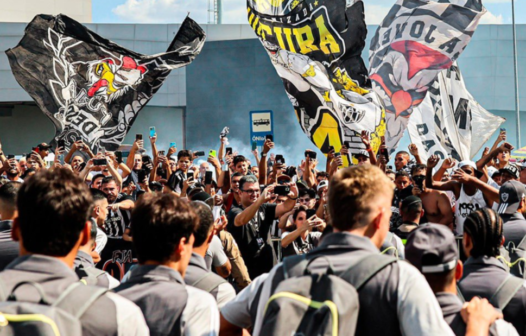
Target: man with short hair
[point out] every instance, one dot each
(362, 157)
(241, 165)
(52, 223)
(511, 206)
(43, 150)
(251, 222)
(12, 170)
(402, 160)
(411, 211)
(184, 161)
(437, 205)
(395, 301)
(198, 275)
(307, 198)
(510, 172)
(404, 187)
(96, 181)
(163, 227)
(432, 249)
(118, 253)
(8, 247)
(99, 214)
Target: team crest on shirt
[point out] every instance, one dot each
(505, 197)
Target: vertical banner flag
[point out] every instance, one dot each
(91, 88)
(450, 122)
(315, 46)
(415, 41)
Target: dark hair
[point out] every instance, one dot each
(403, 152)
(236, 174)
(159, 222)
(485, 229)
(109, 179)
(238, 159)
(322, 174)
(97, 177)
(418, 167)
(206, 220)
(54, 206)
(247, 179)
(300, 209)
(402, 173)
(389, 171)
(97, 195)
(93, 231)
(8, 194)
(184, 153)
(310, 192)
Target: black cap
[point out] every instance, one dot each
(511, 169)
(510, 195)
(432, 249)
(43, 146)
(362, 152)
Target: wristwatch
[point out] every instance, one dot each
(263, 154)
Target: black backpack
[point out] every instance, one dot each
(39, 317)
(318, 304)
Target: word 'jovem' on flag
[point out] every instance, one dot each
(415, 41)
(91, 88)
(315, 46)
(450, 122)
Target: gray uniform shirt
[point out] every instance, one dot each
(110, 314)
(397, 301)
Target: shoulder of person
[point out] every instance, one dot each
(198, 300)
(129, 315)
(124, 197)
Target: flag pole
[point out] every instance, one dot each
(517, 105)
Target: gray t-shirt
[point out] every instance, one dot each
(215, 256)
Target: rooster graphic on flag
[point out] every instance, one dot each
(415, 41)
(91, 88)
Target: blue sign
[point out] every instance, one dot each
(261, 124)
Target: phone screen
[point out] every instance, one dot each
(173, 144)
(270, 137)
(152, 132)
(208, 177)
(138, 136)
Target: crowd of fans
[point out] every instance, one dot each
(180, 242)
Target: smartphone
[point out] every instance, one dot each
(269, 137)
(310, 213)
(141, 175)
(100, 162)
(61, 144)
(146, 159)
(208, 178)
(337, 154)
(503, 130)
(190, 177)
(311, 155)
(212, 153)
(152, 132)
(173, 144)
(282, 190)
(118, 155)
(200, 153)
(10, 156)
(331, 148)
(138, 136)
(280, 159)
(82, 166)
(229, 151)
(254, 145)
(162, 153)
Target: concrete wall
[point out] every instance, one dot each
(28, 126)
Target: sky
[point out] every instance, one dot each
(234, 11)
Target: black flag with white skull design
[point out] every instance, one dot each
(91, 88)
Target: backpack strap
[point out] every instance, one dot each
(506, 292)
(77, 298)
(208, 282)
(366, 268)
(459, 295)
(294, 266)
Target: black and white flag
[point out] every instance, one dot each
(91, 88)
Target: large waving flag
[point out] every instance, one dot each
(416, 40)
(315, 46)
(91, 88)
(450, 122)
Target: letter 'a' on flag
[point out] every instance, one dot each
(415, 41)
(316, 46)
(91, 88)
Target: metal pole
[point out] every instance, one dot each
(517, 105)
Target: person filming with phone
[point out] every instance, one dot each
(251, 222)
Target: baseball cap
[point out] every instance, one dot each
(510, 195)
(511, 169)
(432, 249)
(362, 152)
(467, 163)
(323, 184)
(43, 146)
